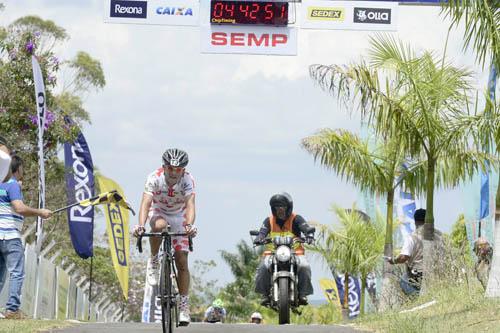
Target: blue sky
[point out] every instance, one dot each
(241, 118)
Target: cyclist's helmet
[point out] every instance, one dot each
(282, 199)
(175, 157)
(256, 315)
(218, 303)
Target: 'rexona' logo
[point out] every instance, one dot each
(174, 11)
(126, 8)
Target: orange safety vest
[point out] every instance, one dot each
(287, 230)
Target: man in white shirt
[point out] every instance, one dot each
(412, 255)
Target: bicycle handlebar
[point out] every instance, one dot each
(162, 235)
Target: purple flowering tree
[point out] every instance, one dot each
(20, 40)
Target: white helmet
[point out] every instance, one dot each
(256, 315)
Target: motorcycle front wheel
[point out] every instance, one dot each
(283, 301)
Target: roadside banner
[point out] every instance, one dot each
(41, 108)
(151, 306)
(329, 288)
(354, 295)
(118, 232)
(79, 173)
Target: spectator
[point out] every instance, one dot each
(256, 318)
(12, 213)
(412, 255)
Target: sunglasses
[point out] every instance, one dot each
(175, 169)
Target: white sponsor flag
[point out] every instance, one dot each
(41, 111)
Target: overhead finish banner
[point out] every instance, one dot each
(349, 15)
(118, 233)
(79, 172)
(160, 12)
(249, 40)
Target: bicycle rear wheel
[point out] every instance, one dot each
(166, 296)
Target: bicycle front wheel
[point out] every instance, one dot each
(166, 296)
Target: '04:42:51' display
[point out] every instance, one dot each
(249, 12)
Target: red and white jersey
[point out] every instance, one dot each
(168, 200)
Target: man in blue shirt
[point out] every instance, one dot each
(12, 213)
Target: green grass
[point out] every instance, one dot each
(30, 325)
(460, 308)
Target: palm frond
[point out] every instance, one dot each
(482, 26)
(350, 158)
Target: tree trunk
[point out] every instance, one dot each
(429, 225)
(386, 299)
(345, 305)
(389, 222)
(493, 287)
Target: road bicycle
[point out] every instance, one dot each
(168, 278)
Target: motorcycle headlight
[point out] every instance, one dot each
(283, 253)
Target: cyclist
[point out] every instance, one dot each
(283, 222)
(168, 200)
(216, 312)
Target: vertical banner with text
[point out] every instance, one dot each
(41, 115)
(118, 236)
(354, 293)
(80, 186)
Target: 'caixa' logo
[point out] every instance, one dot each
(125, 8)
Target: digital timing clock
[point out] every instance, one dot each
(249, 12)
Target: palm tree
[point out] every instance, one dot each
(352, 159)
(421, 100)
(239, 295)
(374, 170)
(354, 249)
(482, 33)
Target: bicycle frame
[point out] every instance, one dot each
(168, 274)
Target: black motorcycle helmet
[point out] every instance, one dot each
(282, 199)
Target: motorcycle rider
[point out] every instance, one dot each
(284, 222)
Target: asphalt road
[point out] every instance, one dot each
(203, 328)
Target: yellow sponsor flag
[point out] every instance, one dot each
(106, 198)
(329, 287)
(118, 231)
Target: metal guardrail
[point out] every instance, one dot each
(61, 295)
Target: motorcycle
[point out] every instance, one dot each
(284, 294)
